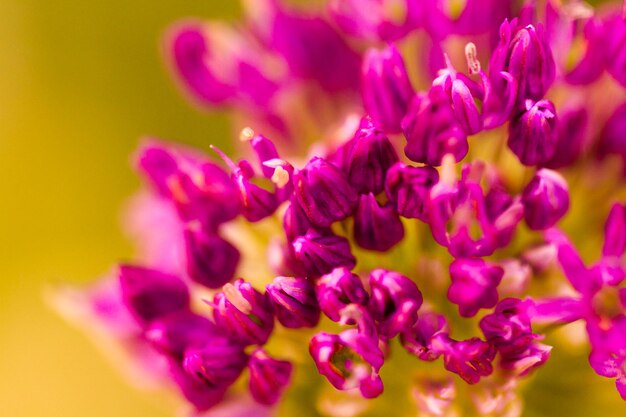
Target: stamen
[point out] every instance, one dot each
(471, 56)
(246, 135)
(225, 158)
(280, 177)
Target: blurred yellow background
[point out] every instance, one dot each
(80, 83)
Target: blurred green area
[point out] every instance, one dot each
(80, 84)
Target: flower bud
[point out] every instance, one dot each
(150, 294)
(176, 332)
(374, 20)
(304, 41)
(349, 360)
(244, 313)
(190, 49)
(432, 130)
(508, 327)
(545, 199)
(268, 377)
(324, 193)
(386, 88)
(465, 108)
(218, 362)
(615, 232)
(257, 202)
(418, 338)
(211, 260)
(201, 190)
(369, 157)
(264, 150)
(408, 189)
(525, 54)
(474, 284)
(198, 392)
(535, 355)
(319, 253)
(613, 44)
(294, 301)
(532, 134)
(394, 302)
(375, 227)
(338, 289)
(470, 359)
(295, 221)
(570, 138)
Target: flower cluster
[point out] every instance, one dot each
(429, 216)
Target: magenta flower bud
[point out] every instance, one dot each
(306, 40)
(319, 253)
(257, 202)
(177, 332)
(532, 134)
(613, 43)
(459, 217)
(394, 302)
(268, 377)
(370, 155)
(375, 227)
(160, 166)
(295, 221)
(570, 137)
(374, 20)
(579, 41)
(338, 289)
(470, 359)
(505, 211)
(524, 362)
(198, 392)
(611, 140)
(190, 49)
(349, 360)
(294, 301)
(432, 130)
(386, 88)
(500, 99)
(218, 362)
(474, 285)
(545, 199)
(211, 260)
(508, 327)
(615, 232)
(150, 294)
(444, 18)
(264, 150)
(608, 351)
(408, 189)
(200, 189)
(418, 339)
(324, 193)
(525, 55)
(244, 313)
(465, 108)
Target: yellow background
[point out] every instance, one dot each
(80, 83)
